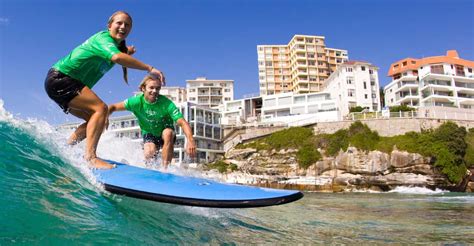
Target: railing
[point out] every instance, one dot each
(425, 114)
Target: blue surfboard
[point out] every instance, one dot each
(157, 186)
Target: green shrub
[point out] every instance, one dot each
(356, 109)
(469, 155)
(293, 137)
(361, 137)
(221, 166)
(403, 108)
(307, 156)
(337, 141)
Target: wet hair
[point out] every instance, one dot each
(123, 45)
(142, 85)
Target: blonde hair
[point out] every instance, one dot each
(142, 85)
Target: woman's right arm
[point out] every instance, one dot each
(130, 62)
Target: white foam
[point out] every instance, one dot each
(417, 190)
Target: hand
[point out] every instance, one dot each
(157, 74)
(191, 149)
(131, 50)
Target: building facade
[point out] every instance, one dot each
(301, 66)
(354, 83)
(209, 93)
(438, 81)
(174, 93)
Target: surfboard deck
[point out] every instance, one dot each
(158, 186)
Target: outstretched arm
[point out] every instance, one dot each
(120, 106)
(131, 62)
(191, 146)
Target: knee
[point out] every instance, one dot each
(168, 136)
(101, 108)
(149, 151)
(149, 154)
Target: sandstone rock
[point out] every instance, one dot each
(404, 159)
(359, 162)
(424, 169)
(240, 154)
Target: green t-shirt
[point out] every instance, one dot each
(91, 60)
(153, 117)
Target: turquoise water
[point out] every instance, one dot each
(49, 197)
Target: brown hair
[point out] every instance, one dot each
(123, 45)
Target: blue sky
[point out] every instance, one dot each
(216, 39)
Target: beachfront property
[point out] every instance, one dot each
(437, 81)
(287, 108)
(209, 93)
(174, 93)
(354, 83)
(204, 122)
(301, 66)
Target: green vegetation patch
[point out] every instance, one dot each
(221, 166)
(299, 138)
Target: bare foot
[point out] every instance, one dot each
(100, 164)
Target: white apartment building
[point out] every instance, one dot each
(301, 66)
(354, 83)
(445, 81)
(204, 122)
(241, 111)
(285, 108)
(174, 93)
(209, 93)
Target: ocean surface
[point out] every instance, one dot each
(48, 196)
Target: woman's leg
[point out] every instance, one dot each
(79, 134)
(89, 103)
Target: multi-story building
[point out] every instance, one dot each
(204, 122)
(283, 107)
(175, 94)
(209, 93)
(301, 66)
(354, 83)
(241, 111)
(446, 81)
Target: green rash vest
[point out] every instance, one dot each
(91, 60)
(153, 117)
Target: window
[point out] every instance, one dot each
(371, 71)
(469, 70)
(350, 93)
(460, 71)
(349, 80)
(438, 69)
(365, 85)
(366, 96)
(349, 69)
(362, 68)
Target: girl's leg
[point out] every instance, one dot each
(89, 103)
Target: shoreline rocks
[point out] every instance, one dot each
(349, 170)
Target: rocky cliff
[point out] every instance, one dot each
(349, 170)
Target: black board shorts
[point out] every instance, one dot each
(158, 141)
(62, 88)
